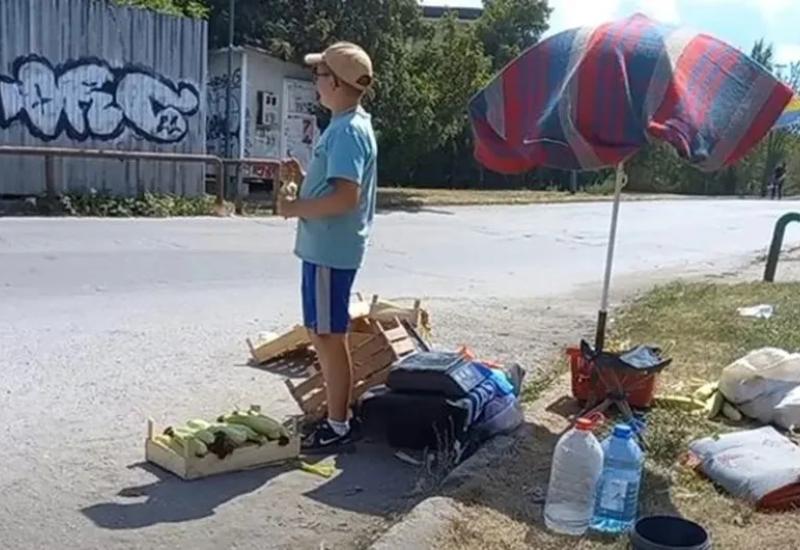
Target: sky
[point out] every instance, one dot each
(738, 22)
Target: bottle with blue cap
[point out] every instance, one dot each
(617, 499)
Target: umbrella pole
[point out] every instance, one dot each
(602, 316)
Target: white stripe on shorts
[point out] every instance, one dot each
(323, 299)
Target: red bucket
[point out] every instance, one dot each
(641, 388)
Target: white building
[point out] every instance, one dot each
(273, 106)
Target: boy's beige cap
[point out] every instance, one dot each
(348, 62)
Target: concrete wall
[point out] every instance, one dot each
(87, 74)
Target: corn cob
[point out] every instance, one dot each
(198, 424)
(731, 412)
(714, 405)
(261, 424)
(186, 439)
(169, 443)
(705, 391)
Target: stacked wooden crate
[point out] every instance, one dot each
(373, 354)
(379, 337)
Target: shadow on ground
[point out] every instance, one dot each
(173, 500)
(388, 200)
(371, 481)
(395, 200)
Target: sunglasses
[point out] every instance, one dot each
(317, 74)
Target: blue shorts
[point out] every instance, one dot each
(326, 298)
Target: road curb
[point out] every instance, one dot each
(430, 518)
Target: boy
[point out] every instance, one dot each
(335, 209)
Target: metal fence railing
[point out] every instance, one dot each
(48, 153)
(220, 165)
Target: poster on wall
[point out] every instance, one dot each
(300, 95)
(299, 121)
(300, 135)
(267, 137)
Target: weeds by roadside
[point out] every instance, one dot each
(533, 389)
(699, 326)
(149, 205)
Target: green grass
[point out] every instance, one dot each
(151, 205)
(533, 388)
(699, 327)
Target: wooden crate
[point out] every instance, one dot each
(296, 339)
(363, 314)
(389, 313)
(373, 355)
(244, 458)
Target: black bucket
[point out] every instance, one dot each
(669, 533)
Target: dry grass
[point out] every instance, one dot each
(413, 199)
(400, 198)
(699, 326)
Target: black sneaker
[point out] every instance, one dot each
(356, 429)
(324, 440)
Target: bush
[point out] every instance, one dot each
(603, 187)
(150, 205)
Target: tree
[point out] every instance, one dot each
(508, 27)
(775, 147)
(289, 29)
(445, 70)
(763, 53)
(188, 8)
(425, 72)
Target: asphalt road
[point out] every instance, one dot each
(106, 322)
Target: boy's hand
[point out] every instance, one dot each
(290, 176)
(292, 171)
(285, 206)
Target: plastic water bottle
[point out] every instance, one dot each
(576, 469)
(618, 492)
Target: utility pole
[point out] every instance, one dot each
(231, 17)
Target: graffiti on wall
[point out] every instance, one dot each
(87, 98)
(216, 125)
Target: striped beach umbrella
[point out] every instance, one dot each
(591, 97)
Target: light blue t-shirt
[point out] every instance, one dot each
(347, 149)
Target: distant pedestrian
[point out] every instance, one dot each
(778, 180)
